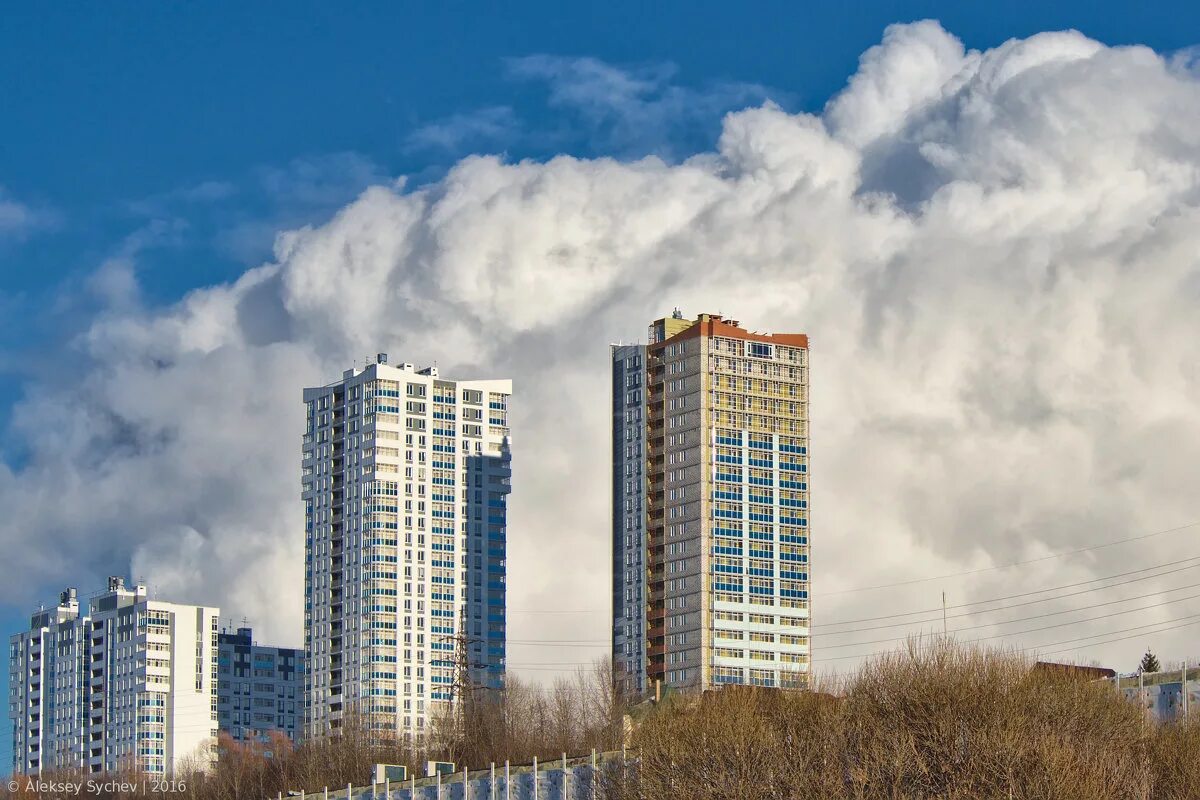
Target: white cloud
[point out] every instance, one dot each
(623, 112)
(18, 219)
(913, 66)
(994, 254)
(488, 127)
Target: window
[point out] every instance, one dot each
(727, 675)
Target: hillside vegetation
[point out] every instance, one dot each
(935, 720)
(938, 720)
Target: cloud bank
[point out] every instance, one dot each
(995, 254)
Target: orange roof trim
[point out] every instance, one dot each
(715, 326)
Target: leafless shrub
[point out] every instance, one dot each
(935, 720)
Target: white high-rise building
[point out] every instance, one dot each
(405, 482)
(122, 683)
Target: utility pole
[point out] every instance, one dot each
(463, 692)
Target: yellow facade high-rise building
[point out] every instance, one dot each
(711, 506)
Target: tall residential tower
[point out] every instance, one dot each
(405, 483)
(710, 506)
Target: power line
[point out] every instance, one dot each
(952, 575)
(1136, 631)
(1183, 622)
(1063, 554)
(1124, 638)
(552, 643)
(538, 611)
(1033, 602)
(1026, 619)
(1175, 624)
(1035, 591)
(604, 643)
(1037, 648)
(550, 664)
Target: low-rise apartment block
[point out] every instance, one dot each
(119, 683)
(260, 691)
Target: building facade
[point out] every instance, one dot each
(122, 682)
(406, 477)
(260, 689)
(629, 519)
(711, 541)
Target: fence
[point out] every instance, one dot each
(561, 779)
(1167, 696)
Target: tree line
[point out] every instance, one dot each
(933, 720)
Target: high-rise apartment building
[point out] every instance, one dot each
(260, 690)
(629, 482)
(406, 477)
(123, 682)
(711, 506)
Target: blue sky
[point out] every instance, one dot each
(181, 137)
(190, 133)
(107, 108)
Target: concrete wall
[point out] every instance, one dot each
(553, 783)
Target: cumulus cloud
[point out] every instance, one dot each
(993, 252)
